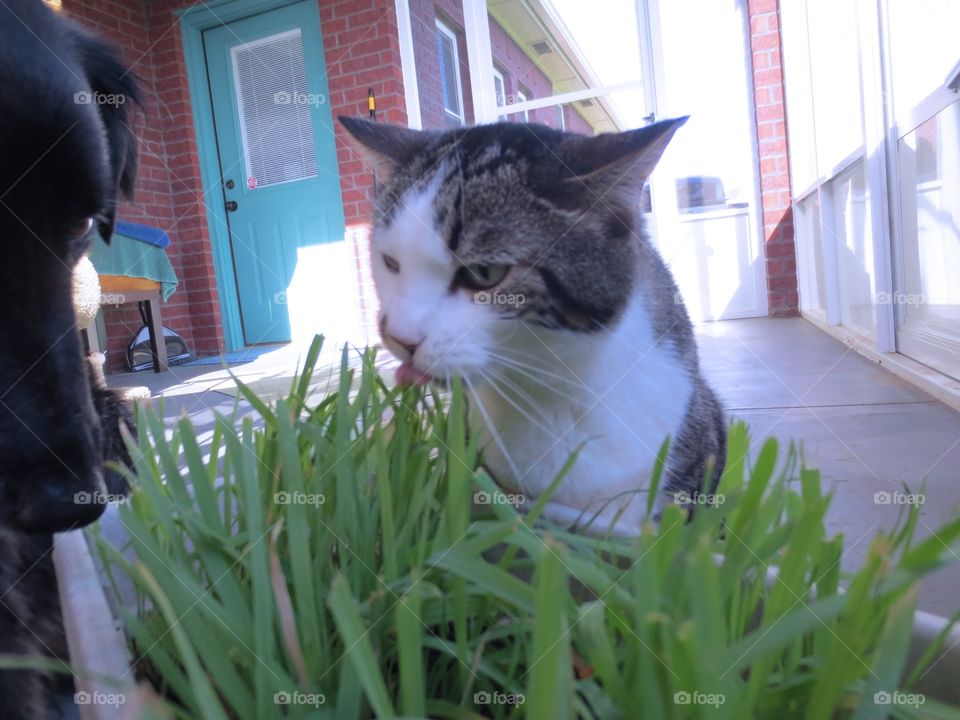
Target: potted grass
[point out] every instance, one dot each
(323, 562)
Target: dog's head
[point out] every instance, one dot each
(67, 155)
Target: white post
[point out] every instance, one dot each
(876, 161)
(411, 90)
(476, 27)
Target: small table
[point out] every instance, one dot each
(134, 268)
(120, 290)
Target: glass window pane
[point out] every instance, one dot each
(711, 156)
(835, 80)
(923, 48)
(813, 296)
(447, 55)
(799, 95)
(707, 172)
(276, 131)
(854, 243)
(566, 46)
(929, 303)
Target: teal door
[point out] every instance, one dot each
(278, 162)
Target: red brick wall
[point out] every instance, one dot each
(362, 47)
(360, 41)
(423, 19)
(765, 43)
(361, 52)
(168, 192)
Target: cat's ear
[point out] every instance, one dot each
(619, 164)
(385, 147)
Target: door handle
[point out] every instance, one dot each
(231, 205)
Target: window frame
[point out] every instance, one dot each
(522, 98)
(451, 35)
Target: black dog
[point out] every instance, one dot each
(66, 155)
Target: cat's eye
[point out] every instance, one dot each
(391, 263)
(481, 277)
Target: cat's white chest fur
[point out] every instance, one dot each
(614, 395)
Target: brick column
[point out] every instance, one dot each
(771, 118)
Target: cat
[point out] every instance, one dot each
(515, 255)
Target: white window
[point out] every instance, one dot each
(500, 91)
(522, 98)
(450, 75)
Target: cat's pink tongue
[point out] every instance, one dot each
(407, 374)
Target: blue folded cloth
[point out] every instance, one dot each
(143, 233)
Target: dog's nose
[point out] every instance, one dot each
(54, 504)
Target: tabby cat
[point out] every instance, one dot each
(515, 255)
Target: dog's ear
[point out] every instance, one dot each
(118, 87)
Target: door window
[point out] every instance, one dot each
(274, 104)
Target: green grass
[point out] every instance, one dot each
(388, 599)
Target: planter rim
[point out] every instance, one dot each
(95, 638)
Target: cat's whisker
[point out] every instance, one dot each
(538, 381)
(539, 369)
(521, 393)
(528, 378)
(514, 405)
(490, 426)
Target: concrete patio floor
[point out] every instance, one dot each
(867, 430)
